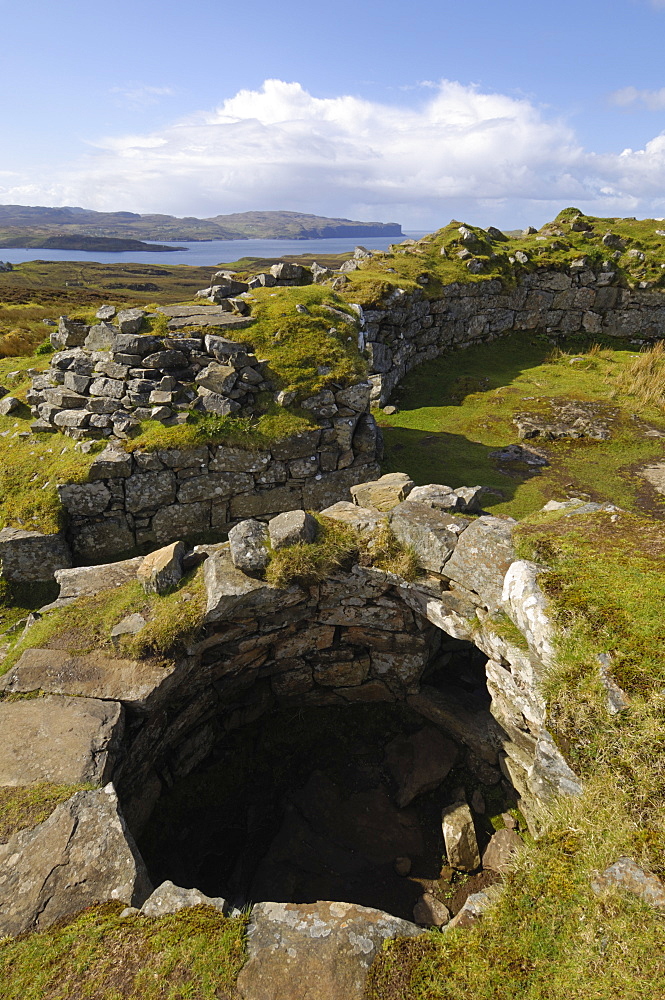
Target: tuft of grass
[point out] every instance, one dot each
(309, 562)
(29, 805)
(384, 551)
(85, 625)
(644, 376)
(193, 953)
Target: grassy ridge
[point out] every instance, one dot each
(434, 260)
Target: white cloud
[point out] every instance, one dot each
(654, 100)
(480, 156)
(142, 95)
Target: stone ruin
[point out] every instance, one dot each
(461, 700)
(111, 380)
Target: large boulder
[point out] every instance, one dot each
(247, 545)
(81, 855)
(231, 591)
(482, 557)
(30, 556)
(315, 951)
(291, 527)
(162, 569)
(383, 494)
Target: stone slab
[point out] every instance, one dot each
(87, 675)
(62, 740)
(81, 855)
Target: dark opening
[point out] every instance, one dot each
(328, 803)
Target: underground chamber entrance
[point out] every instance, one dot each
(333, 803)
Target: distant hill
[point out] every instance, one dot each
(36, 223)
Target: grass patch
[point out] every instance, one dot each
(310, 562)
(335, 546)
(27, 806)
(85, 625)
(456, 410)
(384, 551)
(608, 575)
(193, 953)
(310, 351)
(249, 433)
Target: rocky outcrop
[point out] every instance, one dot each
(316, 950)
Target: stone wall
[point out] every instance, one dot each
(410, 328)
(146, 499)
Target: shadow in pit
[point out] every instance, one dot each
(334, 803)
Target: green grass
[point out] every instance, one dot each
(456, 410)
(305, 353)
(196, 953)
(27, 806)
(85, 624)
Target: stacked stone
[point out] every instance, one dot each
(158, 497)
(409, 328)
(106, 381)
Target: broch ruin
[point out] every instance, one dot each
(425, 651)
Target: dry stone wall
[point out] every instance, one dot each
(147, 499)
(409, 328)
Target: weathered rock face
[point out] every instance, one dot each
(82, 854)
(31, 557)
(319, 951)
(147, 499)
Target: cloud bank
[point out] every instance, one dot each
(481, 156)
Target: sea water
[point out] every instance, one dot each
(210, 252)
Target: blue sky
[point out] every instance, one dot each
(491, 112)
